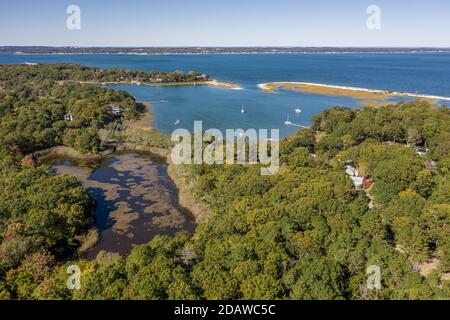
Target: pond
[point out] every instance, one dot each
(135, 198)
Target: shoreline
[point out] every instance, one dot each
(210, 83)
(348, 91)
(267, 52)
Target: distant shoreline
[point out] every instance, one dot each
(210, 83)
(224, 53)
(41, 50)
(218, 53)
(347, 91)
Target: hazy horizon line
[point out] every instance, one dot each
(225, 46)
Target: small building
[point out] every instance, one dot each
(359, 182)
(351, 171)
(156, 80)
(69, 117)
(367, 183)
(202, 77)
(115, 110)
(421, 151)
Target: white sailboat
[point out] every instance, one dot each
(287, 122)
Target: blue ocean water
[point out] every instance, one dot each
(426, 73)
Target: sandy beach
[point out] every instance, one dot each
(353, 92)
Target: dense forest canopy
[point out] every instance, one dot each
(11, 74)
(34, 106)
(305, 233)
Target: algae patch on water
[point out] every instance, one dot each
(136, 199)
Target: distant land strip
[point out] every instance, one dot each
(211, 83)
(369, 95)
(212, 50)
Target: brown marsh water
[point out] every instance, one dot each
(136, 199)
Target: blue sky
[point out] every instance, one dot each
(225, 23)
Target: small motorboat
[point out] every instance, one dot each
(298, 110)
(177, 122)
(242, 109)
